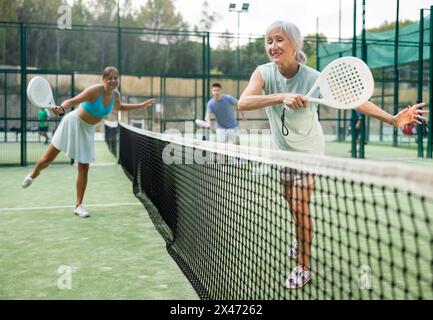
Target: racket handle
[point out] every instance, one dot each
(63, 111)
(316, 100)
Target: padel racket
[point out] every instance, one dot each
(345, 83)
(40, 94)
(201, 123)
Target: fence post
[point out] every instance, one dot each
(353, 114)
(420, 128)
(430, 125)
(396, 74)
(23, 61)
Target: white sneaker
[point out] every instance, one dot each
(81, 212)
(298, 278)
(27, 181)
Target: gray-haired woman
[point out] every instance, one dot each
(285, 81)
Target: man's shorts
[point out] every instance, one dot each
(43, 129)
(227, 135)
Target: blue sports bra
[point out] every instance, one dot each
(97, 108)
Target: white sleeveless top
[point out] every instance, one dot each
(305, 131)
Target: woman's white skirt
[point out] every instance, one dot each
(75, 137)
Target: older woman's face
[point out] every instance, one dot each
(279, 48)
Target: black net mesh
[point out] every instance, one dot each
(111, 135)
(232, 218)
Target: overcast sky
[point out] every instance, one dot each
(301, 12)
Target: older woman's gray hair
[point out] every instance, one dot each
(294, 35)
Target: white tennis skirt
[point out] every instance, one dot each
(75, 137)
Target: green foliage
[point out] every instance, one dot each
(143, 52)
(216, 72)
(161, 14)
(207, 18)
(386, 25)
(310, 45)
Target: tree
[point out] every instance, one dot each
(252, 55)
(161, 14)
(386, 25)
(310, 47)
(207, 18)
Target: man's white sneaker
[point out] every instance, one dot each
(81, 212)
(27, 181)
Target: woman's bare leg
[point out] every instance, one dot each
(304, 223)
(44, 161)
(298, 198)
(83, 170)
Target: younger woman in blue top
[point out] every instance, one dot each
(75, 134)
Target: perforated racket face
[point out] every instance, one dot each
(346, 83)
(39, 93)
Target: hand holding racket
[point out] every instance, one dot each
(40, 94)
(345, 83)
(202, 123)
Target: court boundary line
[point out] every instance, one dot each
(255, 199)
(71, 206)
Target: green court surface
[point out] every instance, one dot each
(115, 254)
(10, 152)
(381, 152)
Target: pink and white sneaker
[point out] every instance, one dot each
(298, 278)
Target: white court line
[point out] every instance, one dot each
(70, 207)
(255, 199)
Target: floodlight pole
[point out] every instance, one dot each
(232, 8)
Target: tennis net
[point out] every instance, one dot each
(111, 135)
(230, 214)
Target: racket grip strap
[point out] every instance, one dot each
(63, 111)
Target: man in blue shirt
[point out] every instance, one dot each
(222, 106)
